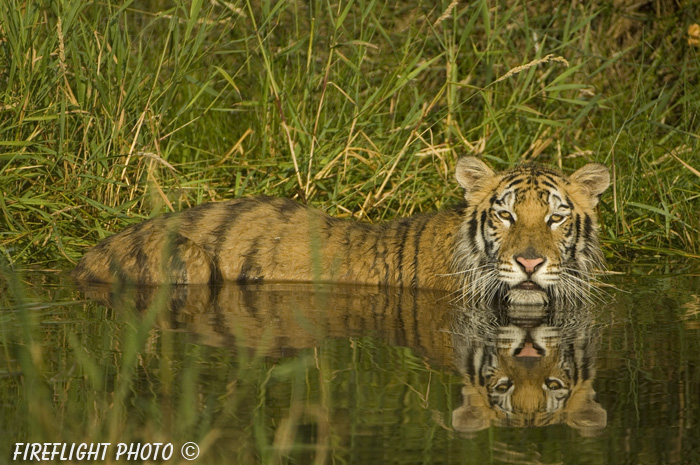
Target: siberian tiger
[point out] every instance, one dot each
(526, 236)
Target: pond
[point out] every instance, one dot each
(312, 374)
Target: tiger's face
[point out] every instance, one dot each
(529, 235)
(533, 372)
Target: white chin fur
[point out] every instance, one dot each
(527, 297)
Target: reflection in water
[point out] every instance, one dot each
(522, 366)
(527, 366)
(273, 318)
(302, 374)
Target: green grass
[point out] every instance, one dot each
(114, 111)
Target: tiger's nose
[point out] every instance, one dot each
(530, 265)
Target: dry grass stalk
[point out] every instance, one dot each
(526, 66)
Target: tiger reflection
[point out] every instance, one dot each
(527, 366)
(273, 318)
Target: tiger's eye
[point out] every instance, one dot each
(502, 388)
(555, 218)
(553, 384)
(504, 215)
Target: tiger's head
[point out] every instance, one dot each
(529, 235)
(528, 368)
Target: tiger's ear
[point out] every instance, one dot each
(474, 414)
(472, 172)
(584, 413)
(470, 420)
(594, 177)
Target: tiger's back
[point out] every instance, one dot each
(273, 239)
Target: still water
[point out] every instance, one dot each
(313, 374)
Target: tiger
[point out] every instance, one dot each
(519, 366)
(528, 368)
(526, 235)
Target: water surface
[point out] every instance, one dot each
(289, 373)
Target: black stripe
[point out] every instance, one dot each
(215, 276)
(177, 301)
(250, 270)
(550, 176)
(469, 367)
(385, 260)
(577, 236)
(116, 270)
(143, 297)
(571, 355)
(142, 272)
(375, 256)
(193, 214)
(328, 223)
(286, 208)
(479, 369)
(402, 229)
(585, 368)
(352, 249)
(416, 251)
(513, 176)
(473, 226)
(515, 183)
(551, 185)
(234, 209)
(588, 228)
(173, 262)
(487, 245)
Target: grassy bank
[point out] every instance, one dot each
(114, 111)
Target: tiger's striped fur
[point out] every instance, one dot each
(466, 250)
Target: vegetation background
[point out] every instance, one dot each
(114, 111)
